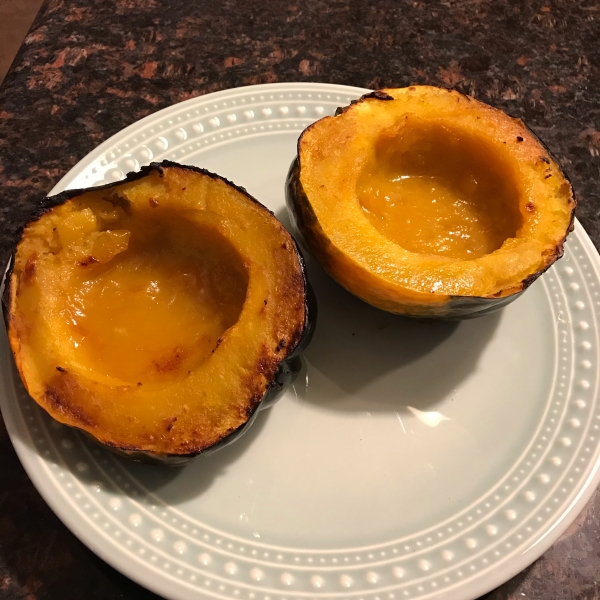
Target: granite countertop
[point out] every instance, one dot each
(88, 68)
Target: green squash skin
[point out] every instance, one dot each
(289, 366)
(307, 230)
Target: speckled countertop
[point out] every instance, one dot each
(88, 68)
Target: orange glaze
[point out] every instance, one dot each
(427, 216)
(154, 312)
(145, 318)
(439, 192)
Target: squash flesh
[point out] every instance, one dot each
(337, 157)
(154, 313)
(151, 317)
(432, 190)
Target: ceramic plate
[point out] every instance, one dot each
(410, 460)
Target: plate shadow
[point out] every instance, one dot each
(194, 478)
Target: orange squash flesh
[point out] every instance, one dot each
(419, 198)
(433, 190)
(155, 314)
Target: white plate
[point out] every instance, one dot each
(411, 460)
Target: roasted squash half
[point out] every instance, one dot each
(157, 313)
(425, 202)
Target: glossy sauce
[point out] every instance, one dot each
(433, 190)
(426, 215)
(154, 313)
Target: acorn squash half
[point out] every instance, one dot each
(425, 202)
(157, 313)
